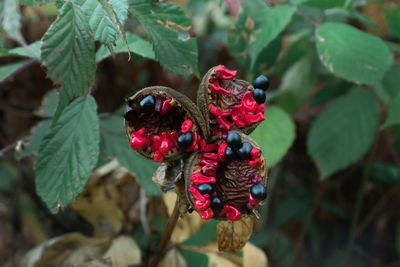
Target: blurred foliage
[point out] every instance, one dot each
(331, 135)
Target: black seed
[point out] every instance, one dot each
(243, 153)
(259, 96)
(258, 192)
(247, 211)
(129, 114)
(190, 210)
(261, 82)
(205, 189)
(216, 204)
(147, 104)
(233, 140)
(185, 140)
(230, 154)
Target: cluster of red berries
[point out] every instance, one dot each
(225, 171)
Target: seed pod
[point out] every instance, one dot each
(156, 117)
(231, 180)
(228, 102)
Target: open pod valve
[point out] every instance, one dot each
(228, 179)
(163, 124)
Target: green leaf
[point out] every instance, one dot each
(116, 144)
(275, 135)
(9, 69)
(10, 19)
(34, 2)
(297, 85)
(203, 236)
(326, 3)
(194, 258)
(31, 148)
(68, 153)
(338, 258)
(391, 81)
(104, 18)
(384, 174)
(393, 114)
(136, 44)
(392, 16)
(343, 132)
(275, 20)
(49, 104)
(328, 92)
(352, 54)
(8, 173)
(68, 51)
(168, 29)
(31, 51)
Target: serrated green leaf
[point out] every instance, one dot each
(136, 45)
(352, 54)
(9, 69)
(392, 16)
(391, 81)
(68, 51)
(275, 20)
(326, 3)
(116, 144)
(34, 2)
(275, 135)
(393, 114)
(31, 51)
(343, 132)
(10, 19)
(49, 104)
(168, 29)
(68, 153)
(104, 18)
(384, 174)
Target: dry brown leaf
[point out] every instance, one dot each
(173, 259)
(186, 226)
(103, 214)
(254, 256)
(233, 235)
(124, 252)
(66, 250)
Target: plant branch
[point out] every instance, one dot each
(18, 71)
(166, 236)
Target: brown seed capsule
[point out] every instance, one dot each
(158, 118)
(231, 180)
(228, 102)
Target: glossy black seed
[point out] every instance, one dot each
(216, 204)
(129, 114)
(230, 154)
(234, 140)
(258, 192)
(185, 140)
(190, 210)
(147, 104)
(205, 189)
(259, 96)
(261, 82)
(243, 153)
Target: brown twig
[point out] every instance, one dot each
(18, 71)
(166, 236)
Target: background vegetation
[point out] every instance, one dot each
(331, 136)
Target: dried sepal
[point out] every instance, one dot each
(233, 235)
(163, 124)
(229, 102)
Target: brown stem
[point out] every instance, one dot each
(166, 236)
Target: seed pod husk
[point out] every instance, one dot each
(231, 180)
(154, 133)
(228, 102)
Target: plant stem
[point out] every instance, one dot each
(166, 236)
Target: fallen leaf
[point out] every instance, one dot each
(124, 252)
(254, 256)
(173, 258)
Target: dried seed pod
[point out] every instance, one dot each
(229, 102)
(232, 180)
(158, 118)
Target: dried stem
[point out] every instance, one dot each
(166, 236)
